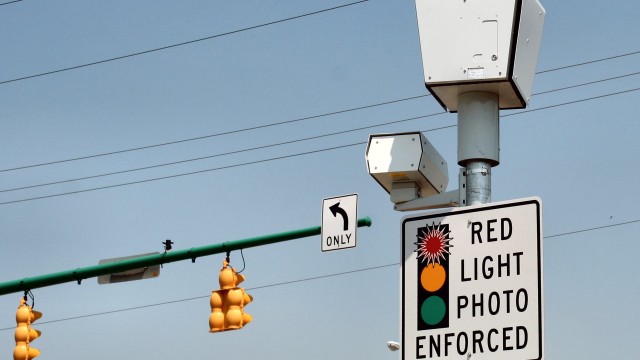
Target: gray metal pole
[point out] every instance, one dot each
(478, 142)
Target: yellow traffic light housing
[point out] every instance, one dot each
(227, 303)
(25, 334)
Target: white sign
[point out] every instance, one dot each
(148, 272)
(339, 222)
(472, 283)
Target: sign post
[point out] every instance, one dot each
(472, 283)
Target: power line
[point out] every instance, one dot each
(301, 280)
(180, 175)
(182, 43)
(573, 102)
(592, 229)
(288, 156)
(291, 141)
(10, 2)
(588, 83)
(247, 29)
(323, 276)
(307, 118)
(206, 296)
(223, 154)
(216, 134)
(589, 62)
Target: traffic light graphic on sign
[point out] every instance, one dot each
(433, 276)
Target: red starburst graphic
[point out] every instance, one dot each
(433, 243)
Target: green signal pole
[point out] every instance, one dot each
(80, 274)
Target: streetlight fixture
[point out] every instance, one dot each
(393, 345)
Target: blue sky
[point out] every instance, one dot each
(580, 158)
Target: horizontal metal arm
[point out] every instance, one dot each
(80, 274)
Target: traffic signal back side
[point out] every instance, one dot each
(228, 302)
(25, 334)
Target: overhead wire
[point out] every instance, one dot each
(10, 2)
(319, 277)
(179, 175)
(573, 102)
(289, 155)
(206, 296)
(592, 229)
(236, 131)
(590, 62)
(225, 153)
(291, 141)
(587, 83)
(184, 43)
(115, 152)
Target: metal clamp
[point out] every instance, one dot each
(483, 171)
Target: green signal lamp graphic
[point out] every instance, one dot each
(433, 280)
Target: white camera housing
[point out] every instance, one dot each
(406, 165)
(480, 45)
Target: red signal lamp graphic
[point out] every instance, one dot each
(433, 243)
